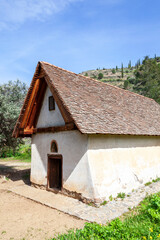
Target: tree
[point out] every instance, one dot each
(113, 71)
(129, 64)
(122, 73)
(86, 74)
(116, 68)
(11, 98)
(100, 76)
(147, 80)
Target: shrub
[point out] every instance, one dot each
(100, 75)
(131, 80)
(113, 71)
(126, 83)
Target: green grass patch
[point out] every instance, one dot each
(141, 223)
(23, 154)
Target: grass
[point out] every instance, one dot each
(23, 154)
(140, 223)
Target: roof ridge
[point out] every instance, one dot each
(98, 81)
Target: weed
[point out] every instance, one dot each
(103, 203)
(121, 195)
(156, 180)
(148, 183)
(111, 198)
(3, 232)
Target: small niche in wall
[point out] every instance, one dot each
(54, 147)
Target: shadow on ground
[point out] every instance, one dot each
(15, 174)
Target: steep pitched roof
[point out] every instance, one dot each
(97, 107)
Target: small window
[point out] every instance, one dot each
(51, 103)
(54, 147)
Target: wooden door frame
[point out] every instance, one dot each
(55, 156)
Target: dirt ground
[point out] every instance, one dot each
(24, 219)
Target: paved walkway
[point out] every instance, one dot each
(76, 208)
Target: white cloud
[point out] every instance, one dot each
(18, 11)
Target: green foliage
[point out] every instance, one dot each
(22, 153)
(126, 83)
(143, 223)
(148, 79)
(110, 198)
(103, 203)
(100, 76)
(11, 99)
(122, 71)
(131, 80)
(129, 64)
(153, 208)
(86, 75)
(148, 183)
(121, 195)
(113, 71)
(116, 68)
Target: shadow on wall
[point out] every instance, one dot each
(118, 141)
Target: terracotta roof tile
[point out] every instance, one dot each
(98, 107)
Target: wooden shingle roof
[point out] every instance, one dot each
(100, 108)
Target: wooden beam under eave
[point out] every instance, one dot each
(67, 127)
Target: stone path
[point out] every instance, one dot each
(76, 208)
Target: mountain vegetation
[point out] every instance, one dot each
(143, 78)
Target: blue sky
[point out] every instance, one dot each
(76, 35)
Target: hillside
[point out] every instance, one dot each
(143, 78)
(111, 76)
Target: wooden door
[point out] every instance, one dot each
(54, 172)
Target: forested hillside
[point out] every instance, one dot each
(143, 78)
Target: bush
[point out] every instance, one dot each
(126, 83)
(86, 74)
(23, 152)
(100, 75)
(131, 80)
(113, 71)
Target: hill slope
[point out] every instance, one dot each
(143, 78)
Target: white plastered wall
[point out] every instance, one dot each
(122, 163)
(73, 147)
(49, 118)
